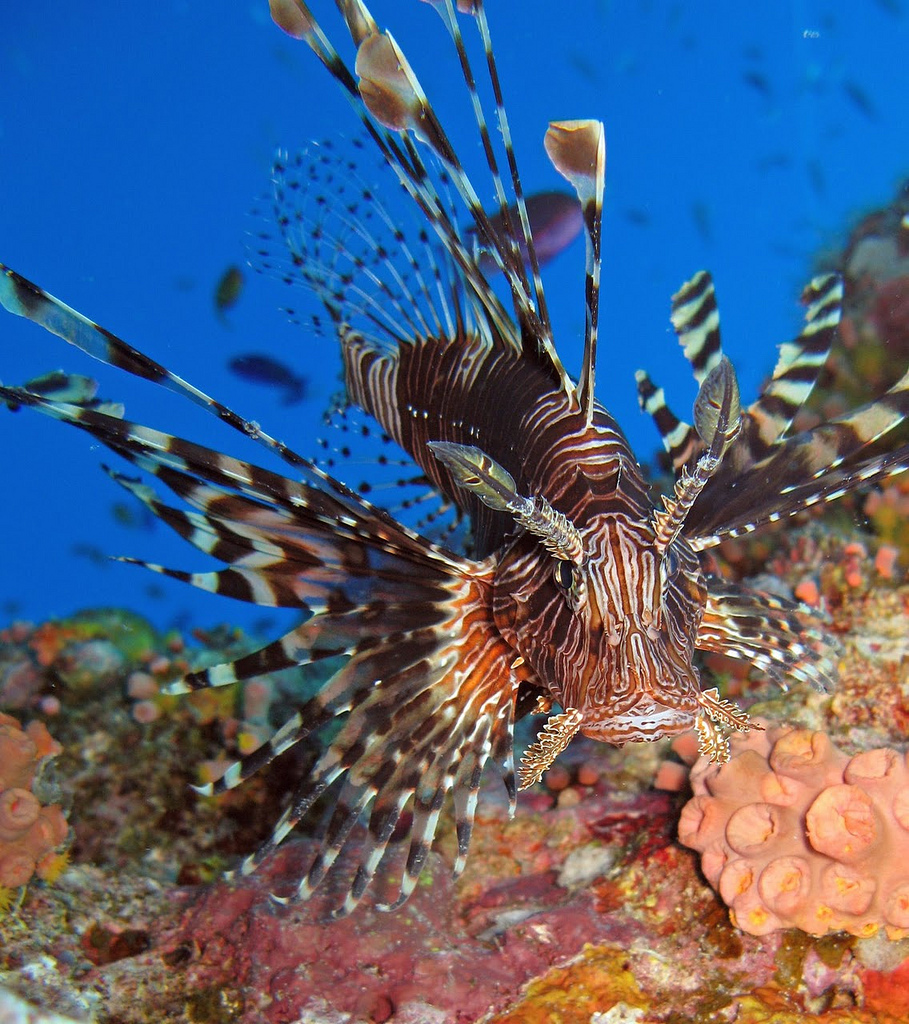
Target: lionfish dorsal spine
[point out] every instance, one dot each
(577, 150)
(400, 154)
(391, 104)
(800, 362)
(678, 437)
(511, 235)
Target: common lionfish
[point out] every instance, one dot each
(576, 590)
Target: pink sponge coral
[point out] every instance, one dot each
(28, 832)
(794, 833)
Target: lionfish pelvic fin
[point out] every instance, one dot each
(713, 724)
(554, 737)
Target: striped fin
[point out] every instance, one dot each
(427, 687)
(680, 439)
(817, 466)
(765, 422)
(512, 245)
(799, 365)
(782, 638)
(337, 238)
(696, 320)
(25, 299)
(717, 415)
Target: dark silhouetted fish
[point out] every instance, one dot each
(757, 81)
(555, 218)
(228, 289)
(261, 369)
(860, 99)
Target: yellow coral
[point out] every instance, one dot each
(52, 865)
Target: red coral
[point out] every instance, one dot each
(794, 833)
(28, 831)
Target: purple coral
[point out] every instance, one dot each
(793, 832)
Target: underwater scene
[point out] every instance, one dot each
(475, 588)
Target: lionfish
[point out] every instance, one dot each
(578, 598)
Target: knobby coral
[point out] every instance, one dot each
(29, 832)
(793, 832)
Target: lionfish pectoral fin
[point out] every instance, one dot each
(424, 714)
(679, 439)
(577, 150)
(782, 638)
(475, 471)
(427, 686)
(798, 367)
(817, 466)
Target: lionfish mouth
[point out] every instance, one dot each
(645, 721)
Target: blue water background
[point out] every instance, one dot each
(135, 138)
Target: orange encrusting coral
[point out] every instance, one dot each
(29, 833)
(794, 833)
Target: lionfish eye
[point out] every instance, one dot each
(563, 571)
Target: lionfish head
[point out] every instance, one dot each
(613, 633)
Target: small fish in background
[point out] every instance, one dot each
(586, 68)
(860, 99)
(777, 161)
(257, 368)
(91, 553)
(700, 214)
(893, 7)
(133, 517)
(637, 216)
(228, 289)
(555, 222)
(757, 81)
(816, 178)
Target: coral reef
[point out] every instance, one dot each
(29, 832)
(793, 832)
(582, 907)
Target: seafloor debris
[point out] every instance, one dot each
(793, 832)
